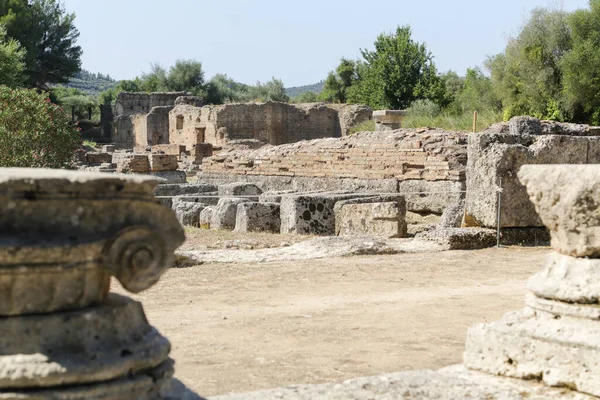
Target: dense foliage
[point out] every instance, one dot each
(91, 84)
(48, 34)
(34, 132)
(11, 60)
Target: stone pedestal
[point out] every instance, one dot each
(64, 235)
(556, 338)
(388, 120)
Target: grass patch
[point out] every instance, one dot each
(365, 126)
(89, 143)
(452, 122)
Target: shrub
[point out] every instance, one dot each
(33, 131)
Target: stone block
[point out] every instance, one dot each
(170, 176)
(170, 149)
(258, 217)
(387, 120)
(337, 209)
(199, 151)
(162, 162)
(239, 189)
(558, 350)
(130, 162)
(461, 238)
(177, 189)
(493, 157)
(94, 157)
(311, 214)
(524, 126)
(453, 215)
(567, 198)
(206, 216)
(188, 213)
(224, 215)
(381, 220)
(108, 148)
(430, 196)
(208, 200)
(274, 196)
(166, 201)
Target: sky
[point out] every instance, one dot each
(298, 42)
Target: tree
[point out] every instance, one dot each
(11, 61)
(222, 89)
(306, 97)
(398, 72)
(186, 75)
(581, 66)
(47, 33)
(156, 80)
(273, 90)
(339, 82)
(527, 76)
(34, 132)
(477, 93)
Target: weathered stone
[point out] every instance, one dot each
(166, 201)
(452, 215)
(177, 189)
(108, 148)
(383, 220)
(559, 308)
(190, 101)
(494, 157)
(524, 126)
(170, 176)
(98, 158)
(239, 189)
(461, 238)
(206, 216)
(188, 213)
(258, 217)
(209, 200)
(388, 120)
(79, 346)
(225, 212)
(453, 383)
(568, 279)
(162, 162)
(567, 198)
(273, 196)
(130, 162)
(432, 197)
(556, 349)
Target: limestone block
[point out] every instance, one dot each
(567, 198)
(101, 224)
(311, 214)
(130, 162)
(178, 189)
(162, 162)
(206, 216)
(224, 215)
(430, 196)
(79, 346)
(188, 213)
(108, 148)
(382, 220)
(170, 176)
(210, 200)
(493, 156)
(258, 217)
(524, 126)
(568, 279)
(453, 215)
(388, 119)
(531, 344)
(461, 238)
(337, 209)
(560, 308)
(274, 196)
(239, 189)
(93, 157)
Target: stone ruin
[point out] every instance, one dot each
(548, 350)
(63, 336)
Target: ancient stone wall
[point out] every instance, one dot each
(431, 155)
(141, 103)
(273, 123)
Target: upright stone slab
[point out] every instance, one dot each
(388, 120)
(556, 338)
(64, 235)
(257, 217)
(224, 214)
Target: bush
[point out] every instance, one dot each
(424, 108)
(34, 132)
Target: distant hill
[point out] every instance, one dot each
(90, 83)
(298, 90)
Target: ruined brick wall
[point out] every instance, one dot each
(272, 122)
(141, 103)
(424, 154)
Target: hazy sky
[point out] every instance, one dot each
(296, 41)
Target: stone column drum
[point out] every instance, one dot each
(63, 235)
(556, 338)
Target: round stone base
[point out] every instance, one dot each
(153, 384)
(96, 344)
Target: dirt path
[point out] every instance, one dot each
(242, 327)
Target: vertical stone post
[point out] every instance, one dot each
(556, 338)
(63, 236)
(388, 120)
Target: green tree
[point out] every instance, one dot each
(396, 73)
(527, 75)
(306, 97)
(339, 82)
(48, 34)
(11, 61)
(156, 80)
(581, 66)
(272, 90)
(477, 93)
(34, 132)
(186, 75)
(222, 89)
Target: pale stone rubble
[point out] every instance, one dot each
(63, 335)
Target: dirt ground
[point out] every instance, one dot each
(244, 327)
